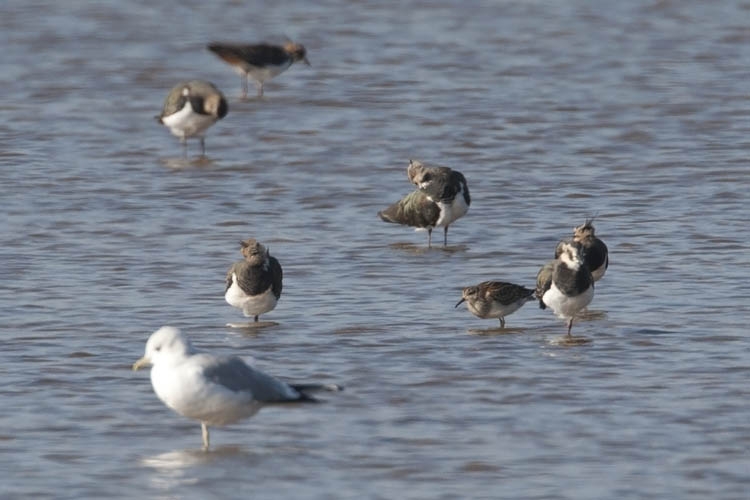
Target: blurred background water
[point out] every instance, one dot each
(636, 112)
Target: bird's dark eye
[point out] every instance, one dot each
(158, 348)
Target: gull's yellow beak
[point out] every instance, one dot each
(144, 361)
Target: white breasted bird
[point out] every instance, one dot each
(254, 284)
(261, 61)
(495, 299)
(214, 390)
(570, 287)
(544, 281)
(442, 197)
(191, 108)
(596, 255)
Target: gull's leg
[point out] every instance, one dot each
(204, 430)
(256, 319)
(502, 322)
(570, 325)
(445, 237)
(429, 237)
(203, 146)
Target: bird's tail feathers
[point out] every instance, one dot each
(305, 391)
(317, 387)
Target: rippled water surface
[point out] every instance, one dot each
(636, 112)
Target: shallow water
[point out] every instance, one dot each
(636, 112)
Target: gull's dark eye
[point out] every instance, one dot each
(158, 348)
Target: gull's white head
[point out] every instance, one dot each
(165, 343)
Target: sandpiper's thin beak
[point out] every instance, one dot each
(459, 302)
(144, 361)
(304, 60)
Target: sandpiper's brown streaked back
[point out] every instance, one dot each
(260, 61)
(495, 299)
(190, 108)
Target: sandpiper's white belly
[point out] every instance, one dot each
(250, 305)
(476, 311)
(265, 73)
(498, 310)
(453, 211)
(566, 307)
(187, 123)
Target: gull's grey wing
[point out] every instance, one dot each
(237, 376)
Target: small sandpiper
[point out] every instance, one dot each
(254, 284)
(596, 255)
(571, 286)
(261, 62)
(441, 198)
(495, 299)
(190, 108)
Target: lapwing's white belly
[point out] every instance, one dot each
(450, 212)
(187, 123)
(250, 305)
(566, 307)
